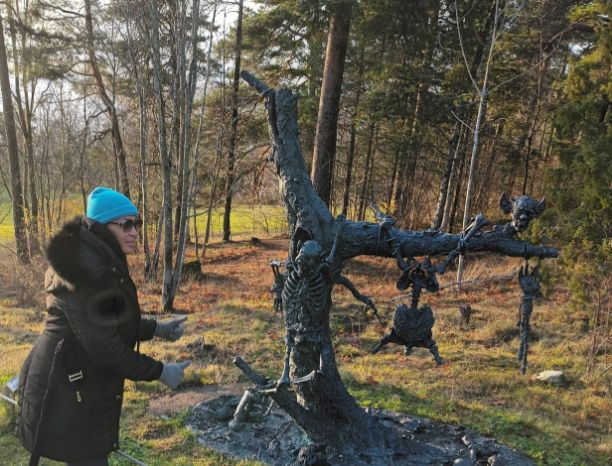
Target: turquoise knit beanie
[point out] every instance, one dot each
(105, 205)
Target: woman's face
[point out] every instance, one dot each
(126, 233)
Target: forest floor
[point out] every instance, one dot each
(230, 313)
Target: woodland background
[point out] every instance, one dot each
(145, 97)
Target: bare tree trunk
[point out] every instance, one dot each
(153, 36)
(25, 119)
(213, 191)
(315, 62)
(329, 103)
(486, 177)
(186, 137)
(177, 140)
(349, 168)
(142, 130)
(446, 177)
(353, 136)
(108, 103)
(82, 156)
(366, 173)
(231, 155)
(152, 271)
(454, 185)
(483, 95)
(200, 125)
(11, 139)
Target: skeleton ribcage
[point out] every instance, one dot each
(305, 301)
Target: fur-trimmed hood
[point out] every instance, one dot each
(82, 249)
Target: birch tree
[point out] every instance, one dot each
(483, 94)
(11, 136)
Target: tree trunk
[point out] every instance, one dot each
(142, 92)
(143, 176)
(108, 103)
(153, 36)
(351, 152)
(231, 155)
(213, 191)
(446, 177)
(186, 159)
(329, 103)
(82, 157)
(366, 174)
(487, 180)
(25, 119)
(349, 168)
(177, 139)
(324, 409)
(198, 137)
(315, 61)
(21, 241)
(482, 105)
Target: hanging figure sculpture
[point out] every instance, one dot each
(279, 283)
(306, 301)
(412, 325)
(529, 282)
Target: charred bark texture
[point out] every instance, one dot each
(323, 408)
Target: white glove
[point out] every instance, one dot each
(172, 374)
(171, 330)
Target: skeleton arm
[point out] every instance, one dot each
(344, 281)
(478, 222)
(277, 286)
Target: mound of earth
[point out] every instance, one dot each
(269, 435)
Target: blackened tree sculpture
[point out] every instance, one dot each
(323, 408)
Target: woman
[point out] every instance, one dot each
(71, 384)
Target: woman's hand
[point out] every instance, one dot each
(171, 330)
(172, 374)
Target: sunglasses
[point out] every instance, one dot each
(127, 225)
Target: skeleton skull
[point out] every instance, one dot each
(308, 258)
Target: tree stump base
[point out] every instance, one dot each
(193, 269)
(275, 439)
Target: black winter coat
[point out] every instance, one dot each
(92, 328)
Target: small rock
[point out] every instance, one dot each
(413, 426)
(463, 462)
(312, 455)
(550, 376)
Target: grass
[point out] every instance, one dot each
(245, 221)
(480, 386)
(7, 232)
